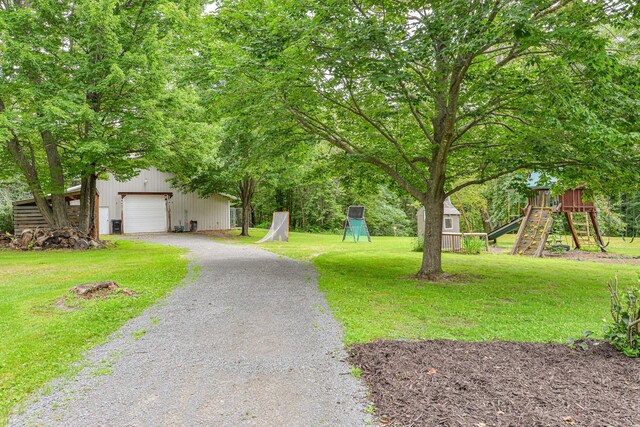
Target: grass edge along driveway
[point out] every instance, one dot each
(41, 342)
(502, 297)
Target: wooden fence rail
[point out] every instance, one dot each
(454, 242)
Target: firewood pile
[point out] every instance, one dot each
(47, 238)
(5, 240)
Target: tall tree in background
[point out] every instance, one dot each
(447, 94)
(254, 142)
(83, 90)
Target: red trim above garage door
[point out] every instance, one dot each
(145, 193)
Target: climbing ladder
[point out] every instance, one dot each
(534, 231)
(583, 228)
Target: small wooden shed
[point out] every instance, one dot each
(450, 222)
(27, 215)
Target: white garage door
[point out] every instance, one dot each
(144, 213)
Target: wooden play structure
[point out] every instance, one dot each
(540, 214)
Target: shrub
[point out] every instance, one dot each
(473, 245)
(6, 219)
(624, 332)
(418, 244)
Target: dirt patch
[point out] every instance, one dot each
(89, 291)
(604, 257)
(99, 289)
(442, 278)
(455, 383)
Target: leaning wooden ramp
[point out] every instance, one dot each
(534, 231)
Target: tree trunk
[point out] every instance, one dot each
(432, 252)
(247, 187)
(58, 200)
(486, 220)
(30, 173)
(87, 223)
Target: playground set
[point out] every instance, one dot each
(535, 225)
(542, 211)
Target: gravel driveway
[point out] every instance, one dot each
(249, 341)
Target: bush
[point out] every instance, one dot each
(6, 219)
(473, 245)
(418, 244)
(624, 332)
(470, 245)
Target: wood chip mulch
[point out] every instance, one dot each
(487, 384)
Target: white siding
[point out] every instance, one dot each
(211, 213)
(455, 222)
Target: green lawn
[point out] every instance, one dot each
(502, 298)
(40, 342)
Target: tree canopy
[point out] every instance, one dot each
(447, 94)
(85, 88)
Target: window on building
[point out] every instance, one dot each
(448, 224)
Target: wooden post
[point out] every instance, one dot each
(545, 234)
(572, 229)
(523, 226)
(594, 221)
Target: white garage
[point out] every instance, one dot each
(149, 203)
(144, 213)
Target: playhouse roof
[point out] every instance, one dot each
(449, 209)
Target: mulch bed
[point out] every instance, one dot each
(487, 384)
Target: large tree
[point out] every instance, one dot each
(443, 95)
(252, 143)
(84, 89)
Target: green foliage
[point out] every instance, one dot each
(473, 205)
(10, 190)
(418, 244)
(581, 342)
(624, 332)
(385, 217)
(506, 197)
(6, 219)
(473, 245)
(449, 94)
(90, 87)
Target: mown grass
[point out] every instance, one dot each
(500, 297)
(39, 341)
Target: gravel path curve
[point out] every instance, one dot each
(249, 341)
